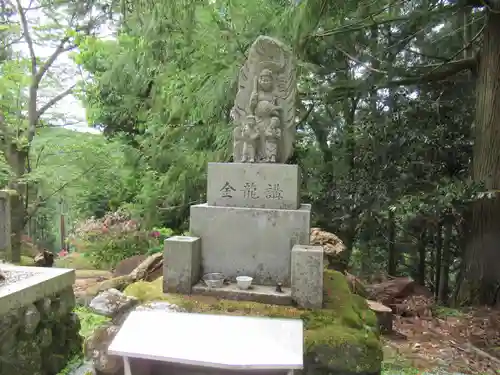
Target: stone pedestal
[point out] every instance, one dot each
(307, 276)
(253, 185)
(248, 227)
(252, 242)
(181, 266)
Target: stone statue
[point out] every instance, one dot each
(250, 136)
(272, 135)
(265, 102)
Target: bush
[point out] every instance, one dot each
(109, 240)
(158, 236)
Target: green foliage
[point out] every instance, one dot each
(384, 141)
(176, 110)
(77, 175)
(107, 248)
(89, 321)
(83, 169)
(111, 239)
(443, 312)
(77, 261)
(158, 236)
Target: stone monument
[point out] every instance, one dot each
(264, 108)
(253, 223)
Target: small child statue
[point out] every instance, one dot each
(250, 136)
(272, 135)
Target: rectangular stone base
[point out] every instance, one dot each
(257, 293)
(252, 242)
(181, 268)
(307, 276)
(253, 185)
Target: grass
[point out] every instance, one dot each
(89, 322)
(74, 260)
(443, 312)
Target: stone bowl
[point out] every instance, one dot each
(214, 280)
(244, 282)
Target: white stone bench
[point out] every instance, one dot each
(209, 344)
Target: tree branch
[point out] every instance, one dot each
(53, 101)
(357, 61)
(41, 201)
(48, 63)
(433, 75)
(27, 35)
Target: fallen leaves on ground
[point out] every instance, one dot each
(466, 343)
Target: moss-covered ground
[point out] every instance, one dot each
(342, 336)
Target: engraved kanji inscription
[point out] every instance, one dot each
(227, 190)
(250, 191)
(273, 191)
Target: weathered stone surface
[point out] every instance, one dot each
(5, 225)
(253, 185)
(95, 349)
(258, 293)
(333, 248)
(252, 242)
(40, 338)
(96, 345)
(264, 108)
(43, 282)
(183, 263)
(307, 276)
(111, 302)
(160, 306)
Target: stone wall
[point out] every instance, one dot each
(41, 337)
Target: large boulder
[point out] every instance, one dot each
(340, 339)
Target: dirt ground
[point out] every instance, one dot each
(467, 342)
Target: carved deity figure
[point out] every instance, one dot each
(266, 101)
(250, 135)
(272, 136)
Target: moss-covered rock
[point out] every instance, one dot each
(341, 338)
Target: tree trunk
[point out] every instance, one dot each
(422, 246)
(392, 262)
(482, 258)
(445, 264)
(17, 161)
(438, 257)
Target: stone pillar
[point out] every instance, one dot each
(181, 264)
(5, 225)
(307, 276)
(11, 216)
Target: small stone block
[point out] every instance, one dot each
(307, 276)
(181, 265)
(253, 185)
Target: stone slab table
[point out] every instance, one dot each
(201, 344)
